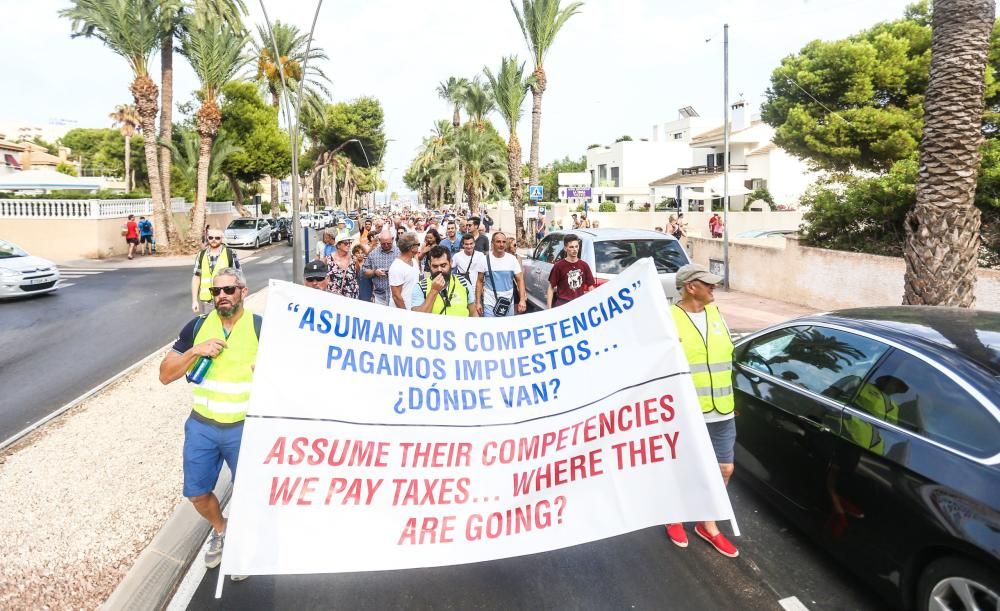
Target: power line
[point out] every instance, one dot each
(825, 107)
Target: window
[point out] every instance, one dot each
(678, 135)
(758, 183)
(602, 173)
(828, 362)
(545, 251)
(908, 392)
(615, 173)
(613, 256)
(593, 183)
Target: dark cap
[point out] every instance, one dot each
(316, 269)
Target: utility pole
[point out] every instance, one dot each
(725, 155)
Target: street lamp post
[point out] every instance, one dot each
(725, 156)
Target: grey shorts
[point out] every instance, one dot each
(723, 435)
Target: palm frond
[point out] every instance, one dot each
(130, 28)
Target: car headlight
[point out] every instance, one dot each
(10, 274)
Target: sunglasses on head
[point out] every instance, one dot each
(228, 290)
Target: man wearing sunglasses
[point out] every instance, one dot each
(317, 275)
(215, 257)
(212, 433)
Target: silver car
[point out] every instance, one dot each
(608, 252)
(247, 233)
(22, 274)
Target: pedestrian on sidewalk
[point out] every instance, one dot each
(403, 273)
(708, 347)
(214, 257)
(228, 338)
(377, 265)
(487, 221)
(131, 233)
(146, 236)
(444, 292)
(715, 225)
(570, 276)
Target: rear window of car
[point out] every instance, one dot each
(243, 224)
(613, 256)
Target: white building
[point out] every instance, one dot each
(621, 172)
(755, 162)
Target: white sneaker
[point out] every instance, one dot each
(213, 555)
(238, 577)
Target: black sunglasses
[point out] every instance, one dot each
(212, 237)
(228, 290)
(319, 279)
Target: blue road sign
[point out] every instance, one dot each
(535, 192)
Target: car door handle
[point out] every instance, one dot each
(815, 422)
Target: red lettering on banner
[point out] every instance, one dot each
(436, 454)
(438, 530)
(334, 452)
(283, 490)
(514, 521)
(277, 451)
(646, 450)
(431, 491)
(352, 490)
(559, 472)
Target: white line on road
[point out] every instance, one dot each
(96, 270)
(287, 261)
(66, 284)
(248, 259)
(269, 260)
(189, 585)
(82, 272)
(792, 603)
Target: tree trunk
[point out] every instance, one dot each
(166, 118)
(537, 89)
(332, 202)
(459, 183)
(275, 203)
(201, 192)
(942, 230)
(128, 164)
(456, 119)
(516, 189)
(237, 195)
(144, 93)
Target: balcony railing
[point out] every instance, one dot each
(714, 169)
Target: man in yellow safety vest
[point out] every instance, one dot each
(215, 257)
(709, 350)
(217, 353)
(445, 292)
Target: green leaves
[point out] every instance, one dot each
(540, 22)
(130, 28)
(252, 124)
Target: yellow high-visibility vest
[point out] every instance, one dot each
(879, 405)
(458, 297)
(225, 392)
(208, 272)
(710, 359)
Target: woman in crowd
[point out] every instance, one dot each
(343, 271)
(431, 239)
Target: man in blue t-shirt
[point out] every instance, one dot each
(497, 281)
(146, 236)
(453, 242)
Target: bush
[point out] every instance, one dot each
(607, 207)
(763, 195)
(579, 208)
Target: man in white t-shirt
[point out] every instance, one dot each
(497, 280)
(468, 263)
(403, 273)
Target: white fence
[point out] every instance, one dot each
(94, 208)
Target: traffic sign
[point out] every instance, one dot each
(535, 192)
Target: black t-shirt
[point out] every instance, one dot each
(483, 243)
(185, 341)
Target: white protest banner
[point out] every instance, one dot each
(381, 439)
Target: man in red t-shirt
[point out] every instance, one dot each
(570, 277)
(131, 231)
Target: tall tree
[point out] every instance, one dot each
(453, 91)
(540, 22)
(510, 87)
(478, 102)
(130, 28)
(214, 51)
(126, 119)
(274, 75)
(942, 230)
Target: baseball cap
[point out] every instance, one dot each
(316, 269)
(692, 272)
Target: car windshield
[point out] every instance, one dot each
(9, 251)
(243, 224)
(613, 256)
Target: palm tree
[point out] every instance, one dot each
(540, 21)
(126, 119)
(275, 75)
(173, 16)
(130, 29)
(477, 159)
(453, 90)
(510, 86)
(187, 153)
(478, 102)
(942, 229)
(214, 50)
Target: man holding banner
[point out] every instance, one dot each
(709, 350)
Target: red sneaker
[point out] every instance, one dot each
(677, 534)
(719, 541)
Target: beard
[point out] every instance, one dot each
(447, 277)
(228, 310)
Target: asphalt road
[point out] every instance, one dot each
(640, 570)
(57, 346)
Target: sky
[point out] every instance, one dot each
(616, 68)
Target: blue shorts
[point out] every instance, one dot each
(723, 435)
(205, 448)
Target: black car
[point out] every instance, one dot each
(279, 228)
(877, 431)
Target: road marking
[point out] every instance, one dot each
(66, 284)
(92, 270)
(792, 603)
(189, 585)
(287, 261)
(248, 259)
(269, 260)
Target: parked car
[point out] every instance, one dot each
(279, 229)
(22, 274)
(312, 221)
(247, 233)
(877, 432)
(608, 252)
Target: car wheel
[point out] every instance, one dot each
(256, 244)
(956, 583)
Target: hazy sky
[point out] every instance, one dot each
(616, 68)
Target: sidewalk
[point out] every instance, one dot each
(745, 313)
(140, 261)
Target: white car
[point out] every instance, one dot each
(608, 252)
(247, 233)
(22, 274)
